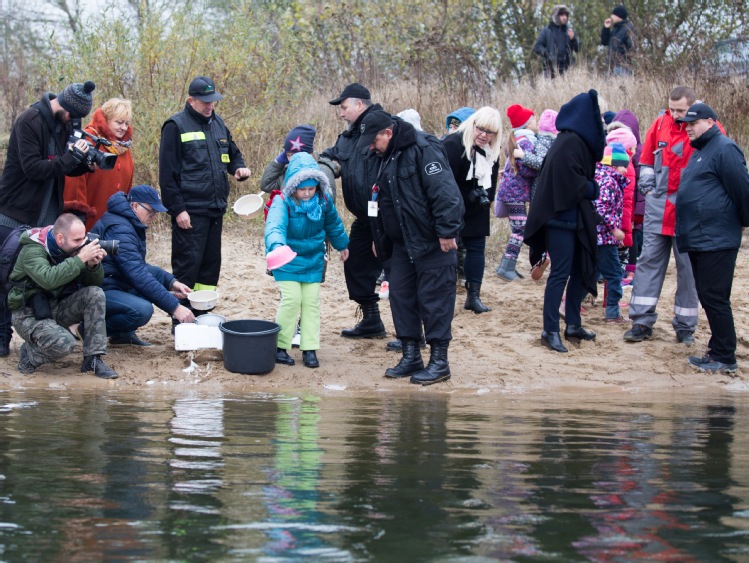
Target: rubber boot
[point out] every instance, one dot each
(506, 269)
(473, 299)
(437, 369)
(370, 326)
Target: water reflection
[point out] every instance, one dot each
(115, 475)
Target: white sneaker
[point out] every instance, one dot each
(297, 338)
(384, 290)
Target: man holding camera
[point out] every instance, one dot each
(55, 284)
(131, 285)
(39, 158)
(418, 212)
(196, 154)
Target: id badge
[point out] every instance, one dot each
(372, 209)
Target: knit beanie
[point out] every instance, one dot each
(76, 99)
(411, 116)
(519, 116)
(608, 117)
(615, 155)
(547, 123)
(624, 136)
(300, 139)
(459, 116)
(620, 11)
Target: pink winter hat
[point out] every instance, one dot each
(624, 136)
(547, 123)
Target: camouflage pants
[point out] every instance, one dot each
(49, 339)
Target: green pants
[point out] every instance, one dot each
(296, 297)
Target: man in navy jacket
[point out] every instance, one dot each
(712, 208)
(131, 285)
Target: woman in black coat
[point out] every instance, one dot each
(473, 153)
(562, 218)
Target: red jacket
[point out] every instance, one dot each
(89, 193)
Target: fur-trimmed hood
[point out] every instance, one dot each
(555, 14)
(303, 166)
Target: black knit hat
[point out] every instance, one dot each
(76, 99)
(620, 11)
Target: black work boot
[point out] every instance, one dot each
(437, 369)
(97, 365)
(409, 363)
(473, 299)
(397, 346)
(370, 326)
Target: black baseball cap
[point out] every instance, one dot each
(373, 123)
(204, 90)
(354, 90)
(698, 111)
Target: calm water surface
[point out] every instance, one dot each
(139, 476)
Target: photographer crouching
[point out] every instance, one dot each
(39, 157)
(55, 284)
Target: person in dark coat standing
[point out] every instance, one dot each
(712, 207)
(418, 211)
(562, 219)
(616, 35)
(556, 43)
(473, 153)
(33, 179)
(131, 285)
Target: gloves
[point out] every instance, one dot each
(281, 158)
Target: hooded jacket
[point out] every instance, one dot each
(88, 194)
(461, 114)
(127, 270)
(38, 161)
(554, 45)
(289, 224)
(357, 189)
(37, 270)
(618, 39)
(566, 187)
(712, 204)
(426, 201)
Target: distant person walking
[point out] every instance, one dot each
(557, 43)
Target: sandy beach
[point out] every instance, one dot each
(495, 352)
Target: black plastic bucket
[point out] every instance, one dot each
(250, 345)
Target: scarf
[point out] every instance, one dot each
(117, 147)
(312, 208)
(481, 169)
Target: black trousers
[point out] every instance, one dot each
(362, 267)
(196, 252)
(6, 332)
(475, 261)
(423, 294)
(564, 253)
(713, 276)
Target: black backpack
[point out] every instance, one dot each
(9, 252)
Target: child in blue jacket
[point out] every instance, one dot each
(301, 218)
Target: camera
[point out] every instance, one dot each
(479, 196)
(111, 247)
(103, 160)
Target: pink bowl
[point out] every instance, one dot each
(280, 257)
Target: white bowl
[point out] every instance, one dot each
(203, 300)
(210, 319)
(249, 206)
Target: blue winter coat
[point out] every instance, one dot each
(288, 224)
(127, 270)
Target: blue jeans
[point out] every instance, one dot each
(610, 268)
(126, 312)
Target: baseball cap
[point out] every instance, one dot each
(354, 90)
(698, 111)
(204, 90)
(146, 194)
(373, 123)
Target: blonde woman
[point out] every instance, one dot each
(87, 195)
(473, 152)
